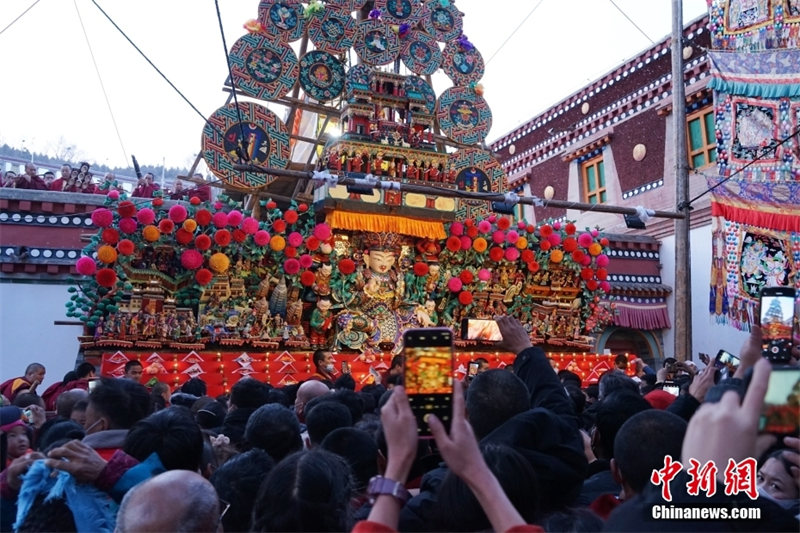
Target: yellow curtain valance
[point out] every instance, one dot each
(386, 223)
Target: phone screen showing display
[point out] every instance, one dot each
(777, 320)
(781, 413)
(480, 329)
(727, 363)
(345, 367)
(672, 388)
(473, 369)
(428, 374)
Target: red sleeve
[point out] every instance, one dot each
(365, 526)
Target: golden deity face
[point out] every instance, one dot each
(380, 261)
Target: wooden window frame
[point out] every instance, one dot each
(708, 151)
(600, 190)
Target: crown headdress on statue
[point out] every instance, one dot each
(382, 241)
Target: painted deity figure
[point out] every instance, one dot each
(372, 317)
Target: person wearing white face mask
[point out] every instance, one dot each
(775, 481)
(325, 366)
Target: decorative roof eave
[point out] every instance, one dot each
(584, 93)
(694, 93)
(644, 289)
(585, 149)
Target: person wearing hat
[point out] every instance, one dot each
(15, 434)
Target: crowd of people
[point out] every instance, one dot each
(524, 450)
(81, 180)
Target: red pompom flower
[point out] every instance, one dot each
(420, 269)
(307, 278)
(347, 266)
(222, 237)
(106, 277)
(203, 276)
(125, 247)
(465, 298)
(202, 242)
(110, 236)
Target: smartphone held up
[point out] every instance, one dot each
(777, 320)
(480, 329)
(428, 374)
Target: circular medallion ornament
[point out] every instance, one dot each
(360, 79)
(376, 42)
(442, 21)
(282, 19)
(321, 75)
(418, 89)
(399, 11)
(346, 5)
(261, 68)
(332, 31)
(253, 131)
(475, 170)
(463, 115)
(421, 53)
(463, 65)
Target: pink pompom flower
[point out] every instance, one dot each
(261, 237)
(305, 261)
(511, 254)
(602, 260)
(191, 259)
(220, 219)
(291, 266)
(250, 225)
(145, 216)
(484, 226)
(102, 217)
(177, 213)
(457, 229)
(585, 240)
(295, 239)
(322, 231)
(484, 274)
(128, 225)
(455, 284)
(86, 266)
(235, 218)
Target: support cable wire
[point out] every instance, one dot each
(514, 32)
(18, 17)
(240, 149)
(185, 99)
(100, 79)
(632, 22)
(150, 62)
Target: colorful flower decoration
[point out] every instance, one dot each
(102, 217)
(219, 263)
(86, 266)
(145, 216)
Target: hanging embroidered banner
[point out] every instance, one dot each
(756, 244)
(764, 74)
